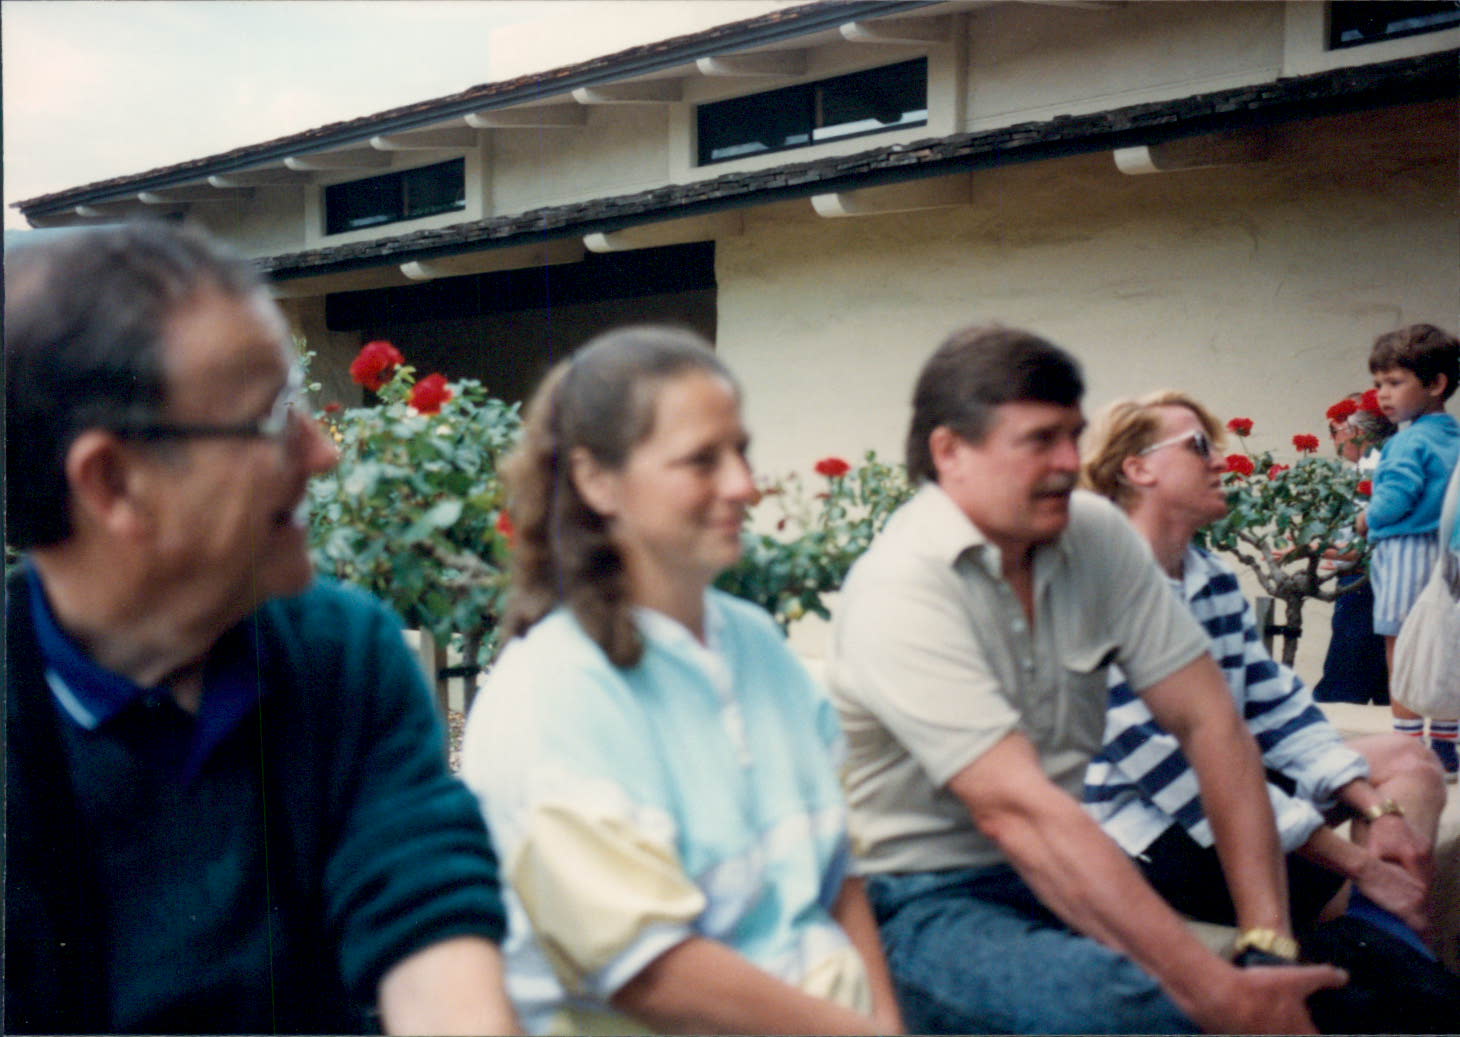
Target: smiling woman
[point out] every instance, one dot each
(659, 769)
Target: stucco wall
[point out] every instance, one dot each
(1258, 287)
(1030, 61)
(622, 149)
(270, 221)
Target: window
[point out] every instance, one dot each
(796, 116)
(407, 195)
(1352, 23)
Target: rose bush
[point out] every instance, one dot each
(413, 512)
(1281, 524)
(816, 536)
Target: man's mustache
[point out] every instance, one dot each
(1057, 485)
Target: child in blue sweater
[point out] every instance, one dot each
(1415, 371)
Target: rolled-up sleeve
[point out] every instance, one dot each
(605, 896)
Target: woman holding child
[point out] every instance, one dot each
(658, 769)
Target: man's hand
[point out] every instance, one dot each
(1265, 999)
(1395, 890)
(1392, 838)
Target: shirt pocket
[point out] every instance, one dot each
(1085, 696)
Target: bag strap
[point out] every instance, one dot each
(1446, 563)
(1447, 514)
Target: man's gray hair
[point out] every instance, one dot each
(85, 314)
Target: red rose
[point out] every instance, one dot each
(832, 467)
(1366, 487)
(1305, 444)
(375, 365)
(333, 408)
(1341, 410)
(1240, 426)
(1370, 402)
(505, 527)
(430, 393)
(1276, 470)
(1240, 463)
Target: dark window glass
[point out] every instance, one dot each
(1355, 22)
(794, 116)
(434, 189)
(761, 122)
(866, 102)
(406, 195)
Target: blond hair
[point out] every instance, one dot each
(1124, 429)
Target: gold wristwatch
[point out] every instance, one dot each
(1268, 941)
(1378, 810)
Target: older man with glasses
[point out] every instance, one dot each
(1157, 458)
(228, 807)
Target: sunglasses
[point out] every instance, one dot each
(1197, 441)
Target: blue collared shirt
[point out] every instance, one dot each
(91, 695)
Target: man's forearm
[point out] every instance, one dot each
(1234, 796)
(452, 987)
(1080, 874)
(1195, 705)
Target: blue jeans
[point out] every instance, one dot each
(974, 951)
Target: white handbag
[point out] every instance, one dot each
(1426, 674)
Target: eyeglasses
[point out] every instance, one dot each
(275, 424)
(1196, 440)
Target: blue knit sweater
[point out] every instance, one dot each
(360, 849)
(1409, 484)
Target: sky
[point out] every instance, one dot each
(94, 90)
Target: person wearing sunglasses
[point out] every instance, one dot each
(1157, 458)
(228, 802)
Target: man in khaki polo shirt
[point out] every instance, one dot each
(969, 669)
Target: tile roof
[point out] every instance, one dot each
(787, 22)
(1406, 81)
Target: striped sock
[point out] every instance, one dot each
(1414, 728)
(1443, 730)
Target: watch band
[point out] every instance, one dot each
(1269, 941)
(1378, 810)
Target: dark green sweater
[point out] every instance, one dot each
(324, 842)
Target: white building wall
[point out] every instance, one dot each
(271, 221)
(622, 149)
(1031, 61)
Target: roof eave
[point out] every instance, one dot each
(1430, 77)
(636, 61)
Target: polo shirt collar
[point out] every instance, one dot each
(949, 534)
(91, 695)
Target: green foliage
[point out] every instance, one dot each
(411, 513)
(816, 538)
(1282, 521)
(414, 514)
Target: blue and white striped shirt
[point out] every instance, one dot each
(1141, 783)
